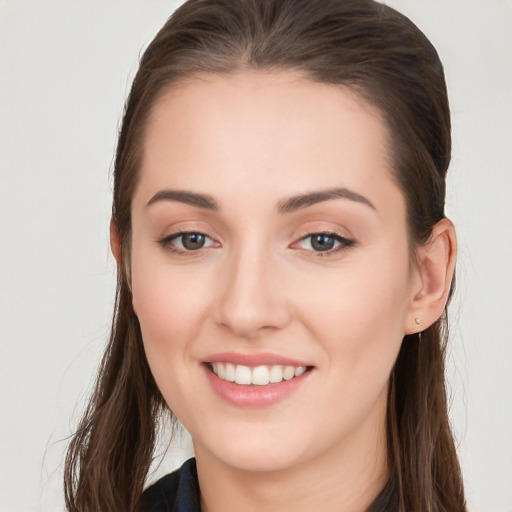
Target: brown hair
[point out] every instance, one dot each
(386, 59)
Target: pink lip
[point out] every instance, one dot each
(253, 360)
(254, 396)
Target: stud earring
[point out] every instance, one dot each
(418, 321)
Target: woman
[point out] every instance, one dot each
(284, 265)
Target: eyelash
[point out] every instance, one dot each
(166, 243)
(344, 243)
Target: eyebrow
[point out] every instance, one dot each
(309, 199)
(289, 205)
(183, 196)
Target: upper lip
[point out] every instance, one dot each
(253, 360)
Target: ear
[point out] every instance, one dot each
(433, 277)
(116, 247)
(115, 241)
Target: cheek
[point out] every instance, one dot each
(170, 312)
(358, 315)
(170, 308)
(359, 323)
(166, 299)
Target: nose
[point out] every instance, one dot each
(252, 298)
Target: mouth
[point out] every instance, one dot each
(262, 375)
(255, 380)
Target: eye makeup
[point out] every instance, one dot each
(318, 244)
(187, 243)
(324, 244)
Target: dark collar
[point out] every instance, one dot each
(175, 492)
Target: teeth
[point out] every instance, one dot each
(299, 371)
(276, 374)
(258, 376)
(230, 372)
(242, 374)
(288, 372)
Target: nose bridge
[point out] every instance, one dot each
(252, 298)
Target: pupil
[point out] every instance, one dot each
(193, 241)
(322, 242)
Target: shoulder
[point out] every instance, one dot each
(175, 492)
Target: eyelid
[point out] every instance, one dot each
(184, 226)
(333, 226)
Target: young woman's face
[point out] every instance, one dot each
(269, 246)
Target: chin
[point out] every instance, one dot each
(256, 454)
(259, 462)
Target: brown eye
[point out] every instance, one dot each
(187, 242)
(193, 241)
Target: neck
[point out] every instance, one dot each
(346, 478)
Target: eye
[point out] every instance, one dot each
(187, 242)
(191, 241)
(324, 242)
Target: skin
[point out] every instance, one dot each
(250, 141)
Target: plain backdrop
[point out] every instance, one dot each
(65, 68)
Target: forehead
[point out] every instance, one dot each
(258, 131)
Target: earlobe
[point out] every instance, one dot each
(436, 265)
(115, 241)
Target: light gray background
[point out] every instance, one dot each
(65, 68)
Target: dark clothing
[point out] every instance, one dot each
(175, 492)
(179, 492)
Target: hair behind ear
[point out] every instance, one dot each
(429, 475)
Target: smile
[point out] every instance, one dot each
(257, 376)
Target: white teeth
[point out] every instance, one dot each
(299, 371)
(288, 372)
(258, 376)
(243, 375)
(276, 374)
(230, 372)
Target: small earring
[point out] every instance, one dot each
(418, 321)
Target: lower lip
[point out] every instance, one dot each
(254, 396)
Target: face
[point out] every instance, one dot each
(270, 267)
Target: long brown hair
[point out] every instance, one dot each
(387, 60)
